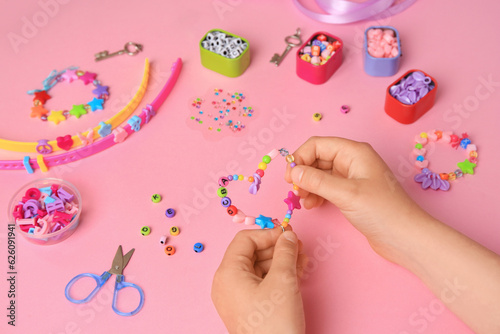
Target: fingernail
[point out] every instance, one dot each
(297, 174)
(290, 236)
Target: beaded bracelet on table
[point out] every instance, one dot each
(68, 75)
(441, 181)
(292, 199)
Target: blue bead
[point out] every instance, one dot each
(464, 142)
(322, 47)
(420, 158)
(317, 42)
(288, 216)
(235, 177)
(226, 202)
(31, 230)
(198, 247)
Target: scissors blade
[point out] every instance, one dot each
(120, 261)
(126, 258)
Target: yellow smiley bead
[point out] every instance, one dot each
(262, 165)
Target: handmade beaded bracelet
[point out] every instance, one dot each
(68, 75)
(441, 181)
(292, 199)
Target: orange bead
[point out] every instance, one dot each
(330, 48)
(473, 154)
(443, 176)
(295, 187)
(284, 224)
(169, 250)
(250, 179)
(315, 50)
(452, 176)
(439, 134)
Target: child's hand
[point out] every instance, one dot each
(256, 288)
(352, 176)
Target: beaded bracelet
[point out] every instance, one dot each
(292, 199)
(68, 75)
(67, 142)
(441, 181)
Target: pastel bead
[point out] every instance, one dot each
(418, 146)
(421, 151)
(471, 147)
(452, 176)
(284, 224)
(317, 116)
(447, 136)
(174, 230)
(473, 160)
(163, 240)
(223, 181)
(170, 212)
(239, 217)
(288, 216)
(198, 247)
(262, 166)
(459, 173)
(230, 177)
(325, 53)
(145, 230)
(431, 135)
(235, 177)
(232, 210)
(421, 140)
(225, 201)
(286, 220)
(169, 250)
(306, 57)
(222, 192)
(295, 187)
(274, 153)
(315, 60)
(422, 164)
(249, 220)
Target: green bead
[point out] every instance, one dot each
(145, 230)
(266, 159)
(222, 192)
(156, 198)
(418, 145)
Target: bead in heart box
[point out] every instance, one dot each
(220, 113)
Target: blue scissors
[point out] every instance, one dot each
(119, 263)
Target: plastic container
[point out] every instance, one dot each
(319, 74)
(409, 113)
(381, 67)
(231, 67)
(49, 238)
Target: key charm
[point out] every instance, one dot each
(105, 54)
(277, 59)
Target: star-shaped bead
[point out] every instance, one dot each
(467, 167)
(264, 222)
(95, 104)
(38, 111)
(56, 116)
(88, 77)
(78, 110)
(293, 201)
(41, 96)
(100, 90)
(69, 76)
(104, 130)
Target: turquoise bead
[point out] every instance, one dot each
(288, 216)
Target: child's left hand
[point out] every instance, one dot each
(256, 288)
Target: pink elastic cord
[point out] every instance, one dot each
(107, 141)
(341, 11)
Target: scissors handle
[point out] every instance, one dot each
(120, 284)
(100, 280)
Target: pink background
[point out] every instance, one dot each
(349, 290)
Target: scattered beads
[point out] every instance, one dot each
(145, 230)
(412, 88)
(45, 210)
(317, 116)
(221, 110)
(382, 43)
(319, 50)
(198, 247)
(68, 75)
(345, 109)
(292, 199)
(225, 45)
(156, 198)
(169, 250)
(437, 181)
(163, 240)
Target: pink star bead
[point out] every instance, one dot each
(293, 201)
(69, 75)
(88, 77)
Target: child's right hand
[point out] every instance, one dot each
(354, 177)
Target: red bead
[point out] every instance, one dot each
(232, 210)
(321, 38)
(473, 160)
(453, 138)
(260, 172)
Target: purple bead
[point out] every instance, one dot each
(293, 164)
(412, 96)
(427, 80)
(289, 212)
(225, 201)
(170, 212)
(418, 76)
(394, 90)
(230, 177)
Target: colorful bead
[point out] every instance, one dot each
(230, 177)
(266, 159)
(289, 158)
(459, 173)
(420, 158)
(317, 116)
(156, 198)
(222, 192)
(293, 164)
(262, 166)
(452, 176)
(473, 154)
(198, 247)
(170, 212)
(232, 210)
(345, 109)
(145, 230)
(241, 177)
(225, 201)
(423, 135)
(249, 220)
(223, 181)
(418, 146)
(251, 179)
(235, 177)
(174, 230)
(286, 220)
(443, 176)
(260, 172)
(163, 240)
(169, 250)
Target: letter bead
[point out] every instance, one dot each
(145, 230)
(222, 192)
(198, 247)
(225, 201)
(174, 230)
(169, 250)
(232, 210)
(170, 212)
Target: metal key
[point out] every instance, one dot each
(105, 54)
(277, 59)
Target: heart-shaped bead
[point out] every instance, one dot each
(65, 143)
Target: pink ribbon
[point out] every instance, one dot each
(342, 11)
